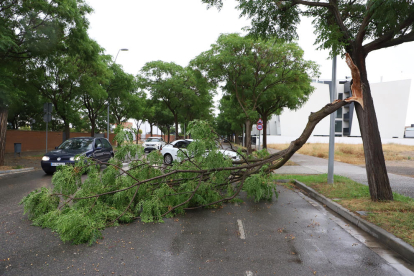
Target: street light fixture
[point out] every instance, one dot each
(123, 49)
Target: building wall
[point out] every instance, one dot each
(391, 105)
(293, 122)
(36, 140)
(325, 140)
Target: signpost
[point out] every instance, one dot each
(259, 126)
(47, 117)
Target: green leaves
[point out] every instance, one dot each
(79, 207)
(257, 76)
(181, 91)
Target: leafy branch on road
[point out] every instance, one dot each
(78, 210)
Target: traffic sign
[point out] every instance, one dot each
(259, 127)
(259, 122)
(47, 117)
(47, 112)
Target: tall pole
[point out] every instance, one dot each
(259, 141)
(332, 126)
(46, 136)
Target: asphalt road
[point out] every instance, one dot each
(288, 236)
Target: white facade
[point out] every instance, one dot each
(391, 105)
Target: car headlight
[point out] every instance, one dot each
(45, 158)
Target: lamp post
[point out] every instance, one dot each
(332, 127)
(123, 49)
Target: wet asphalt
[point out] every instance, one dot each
(288, 236)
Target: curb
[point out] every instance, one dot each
(396, 244)
(15, 171)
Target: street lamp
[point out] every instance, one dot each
(123, 49)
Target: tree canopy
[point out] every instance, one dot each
(184, 92)
(28, 30)
(258, 74)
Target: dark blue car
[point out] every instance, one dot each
(96, 148)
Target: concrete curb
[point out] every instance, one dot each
(15, 171)
(396, 244)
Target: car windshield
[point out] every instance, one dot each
(77, 144)
(153, 140)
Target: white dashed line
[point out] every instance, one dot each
(241, 230)
(249, 273)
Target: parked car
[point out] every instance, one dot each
(65, 154)
(170, 151)
(153, 143)
(409, 132)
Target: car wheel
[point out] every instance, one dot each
(168, 159)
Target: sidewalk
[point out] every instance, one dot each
(313, 165)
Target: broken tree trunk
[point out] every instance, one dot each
(378, 181)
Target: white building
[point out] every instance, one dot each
(391, 105)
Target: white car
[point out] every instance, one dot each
(153, 143)
(170, 151)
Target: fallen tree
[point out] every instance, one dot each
(148, 190)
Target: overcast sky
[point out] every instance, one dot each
(179, 30)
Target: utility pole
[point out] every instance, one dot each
(332, 126)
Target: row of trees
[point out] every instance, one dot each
(47, 56)
(258, 79)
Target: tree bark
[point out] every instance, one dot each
(67, 130)
(378, 181)
(236, 138)
(176, 127)
(264, 118)
(92, 127)
(248, 136)
(3, 129)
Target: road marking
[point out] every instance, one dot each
(249, 273)
(241, 230)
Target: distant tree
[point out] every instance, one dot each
(123, 96)
(356, 28)
(93, 88)
(163, 118)
(231, 118)
(182, 90)
(255, 72)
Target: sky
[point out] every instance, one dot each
(178, 30)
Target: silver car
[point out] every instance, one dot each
(153, 143)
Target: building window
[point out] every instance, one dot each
(338, 126)
(339, 113)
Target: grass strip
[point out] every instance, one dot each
(350, 153)
(396, 217)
